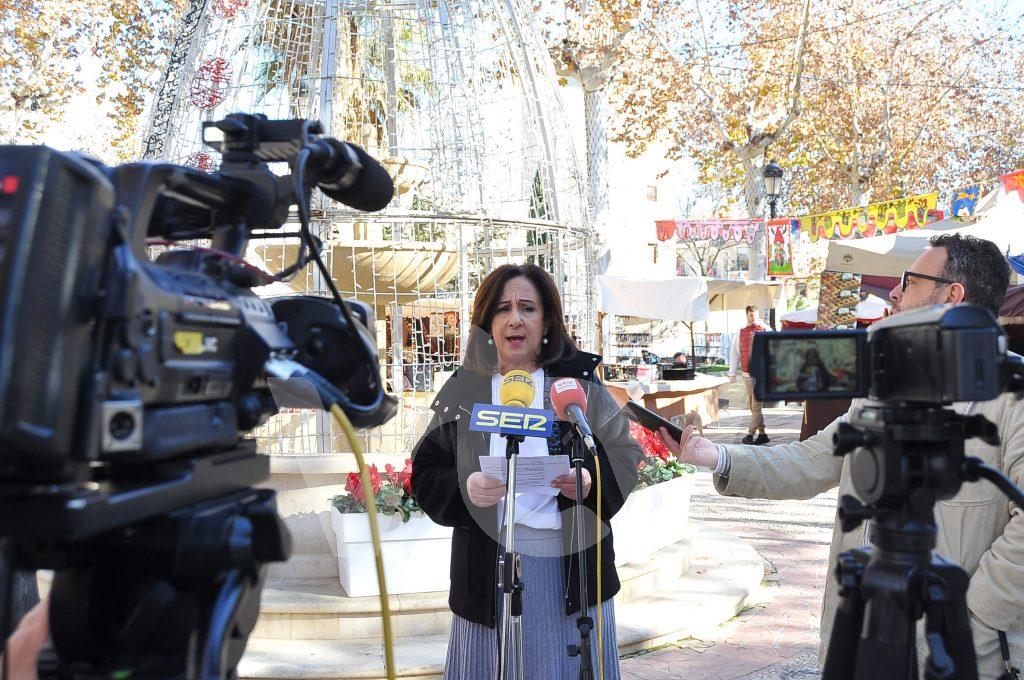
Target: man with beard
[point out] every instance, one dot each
(978, 528)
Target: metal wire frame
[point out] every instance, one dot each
(458, 100)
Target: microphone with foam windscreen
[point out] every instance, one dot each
(517, 389)
(349, 175)
(569, 400)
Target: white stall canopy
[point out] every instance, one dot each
(681, 298)
(737, 295)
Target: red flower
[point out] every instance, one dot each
(407, 476)
(355, 487)
(374, 478)
(649, 441)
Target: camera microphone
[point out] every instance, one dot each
(349, 175)
(569, 400)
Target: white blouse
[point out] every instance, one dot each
(539, 511)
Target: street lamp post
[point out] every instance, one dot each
(772, 174)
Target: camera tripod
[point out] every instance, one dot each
(904, 460)
(158, 575)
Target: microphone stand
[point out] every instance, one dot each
(584, 623)
(510, 651)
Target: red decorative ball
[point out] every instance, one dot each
(200, 161)
(226, 9)
(210, 83)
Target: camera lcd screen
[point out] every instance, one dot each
(819, 365)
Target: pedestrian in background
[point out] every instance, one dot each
(740, 354)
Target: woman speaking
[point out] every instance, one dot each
(518, 324)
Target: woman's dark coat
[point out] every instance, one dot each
(449, 452)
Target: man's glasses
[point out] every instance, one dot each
(907, 274)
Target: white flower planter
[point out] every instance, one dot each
(416, 554)
(652, 518)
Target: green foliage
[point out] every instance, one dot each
(653, 470)
(388, 503)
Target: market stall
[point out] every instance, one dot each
(869, 310)
(999, 219)
(880, 260)
(632, 366)
(423, 342)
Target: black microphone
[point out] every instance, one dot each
(349, 175)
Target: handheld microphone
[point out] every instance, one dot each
(570, 403)
(349, 175)
(517, 389)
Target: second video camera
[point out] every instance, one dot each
(937, 355)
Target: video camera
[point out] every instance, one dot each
(937, 355)
(127, 385)
(905, 453)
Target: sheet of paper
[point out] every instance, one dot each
(534, 474)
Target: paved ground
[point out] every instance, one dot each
(776, 640)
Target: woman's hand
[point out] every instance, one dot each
(484, 491)
(567, 484)
(691, 448)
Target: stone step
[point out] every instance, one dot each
(725, 573)
(352, 659)
(316, 609)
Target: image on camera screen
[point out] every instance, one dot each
(812, 365)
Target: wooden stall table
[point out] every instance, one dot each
(670, 398)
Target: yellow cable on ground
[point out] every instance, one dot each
(371, 512)
(600, 628)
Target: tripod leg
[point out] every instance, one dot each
(947, 604)
(517, 647)
(842, 645)
(846, 626)
(214, 664)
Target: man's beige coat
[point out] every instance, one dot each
(978, 528)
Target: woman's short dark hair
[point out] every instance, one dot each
(481, 356)
(978, 266)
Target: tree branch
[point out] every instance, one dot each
(793, 105)
(717, 117)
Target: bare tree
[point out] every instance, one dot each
(726, 117)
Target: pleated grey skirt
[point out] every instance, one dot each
(547, 631)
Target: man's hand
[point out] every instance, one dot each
(567, 484)
(484, 491)
(26, 642)
(691, 448)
